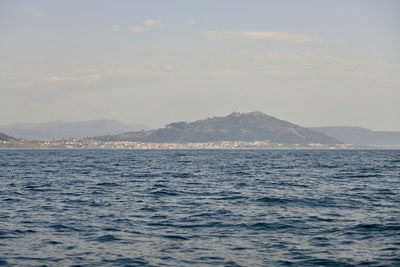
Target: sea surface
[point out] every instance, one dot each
(199, 208)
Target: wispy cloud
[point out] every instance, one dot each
(151, 24)
(68, 80)
(151, 72)
(147, 25)
(57, 83)
(188, 23)
(268, 36)
(25, 10)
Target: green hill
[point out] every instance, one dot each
(234, 127)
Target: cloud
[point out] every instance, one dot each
(184, 25)
(267, 36)
(188, 23)
(147, 25)
(25, 10)
(61, 81)
(151, 23)
(151, 72)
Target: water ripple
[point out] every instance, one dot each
(202, 208)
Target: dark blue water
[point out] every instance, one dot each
(199, 208)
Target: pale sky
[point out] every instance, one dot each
(313, 63)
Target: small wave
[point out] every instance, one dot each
(207, 225)
(240, 173)
(98, 204)
(164, 192)
(378, 227)
(110, 229)
(317, 218)
(125, 262)
(15, 233)
(365, 176)
(143, 175)
(232, 197)
(64, 228)
(175, 237)
(161, 224)
(52, 242)
(29, 231)
(12, 199)
(39, 188)
(107, 184)
(322, 262)
(269, 226)
(272, 200)
(149, 209)
(107, 238)
(182, 175)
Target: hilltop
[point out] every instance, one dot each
(234, 127)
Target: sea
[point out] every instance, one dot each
(199, 207)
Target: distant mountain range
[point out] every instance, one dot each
(253, 126)
(234, 127)
(361, 136)
(67, 130)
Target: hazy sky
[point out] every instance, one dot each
(314, 63)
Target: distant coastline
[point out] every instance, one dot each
(92, 144)
(254, 130)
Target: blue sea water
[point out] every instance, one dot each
(199, 208)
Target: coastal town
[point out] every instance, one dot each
(95, 144)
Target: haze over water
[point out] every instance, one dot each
(199, 207)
